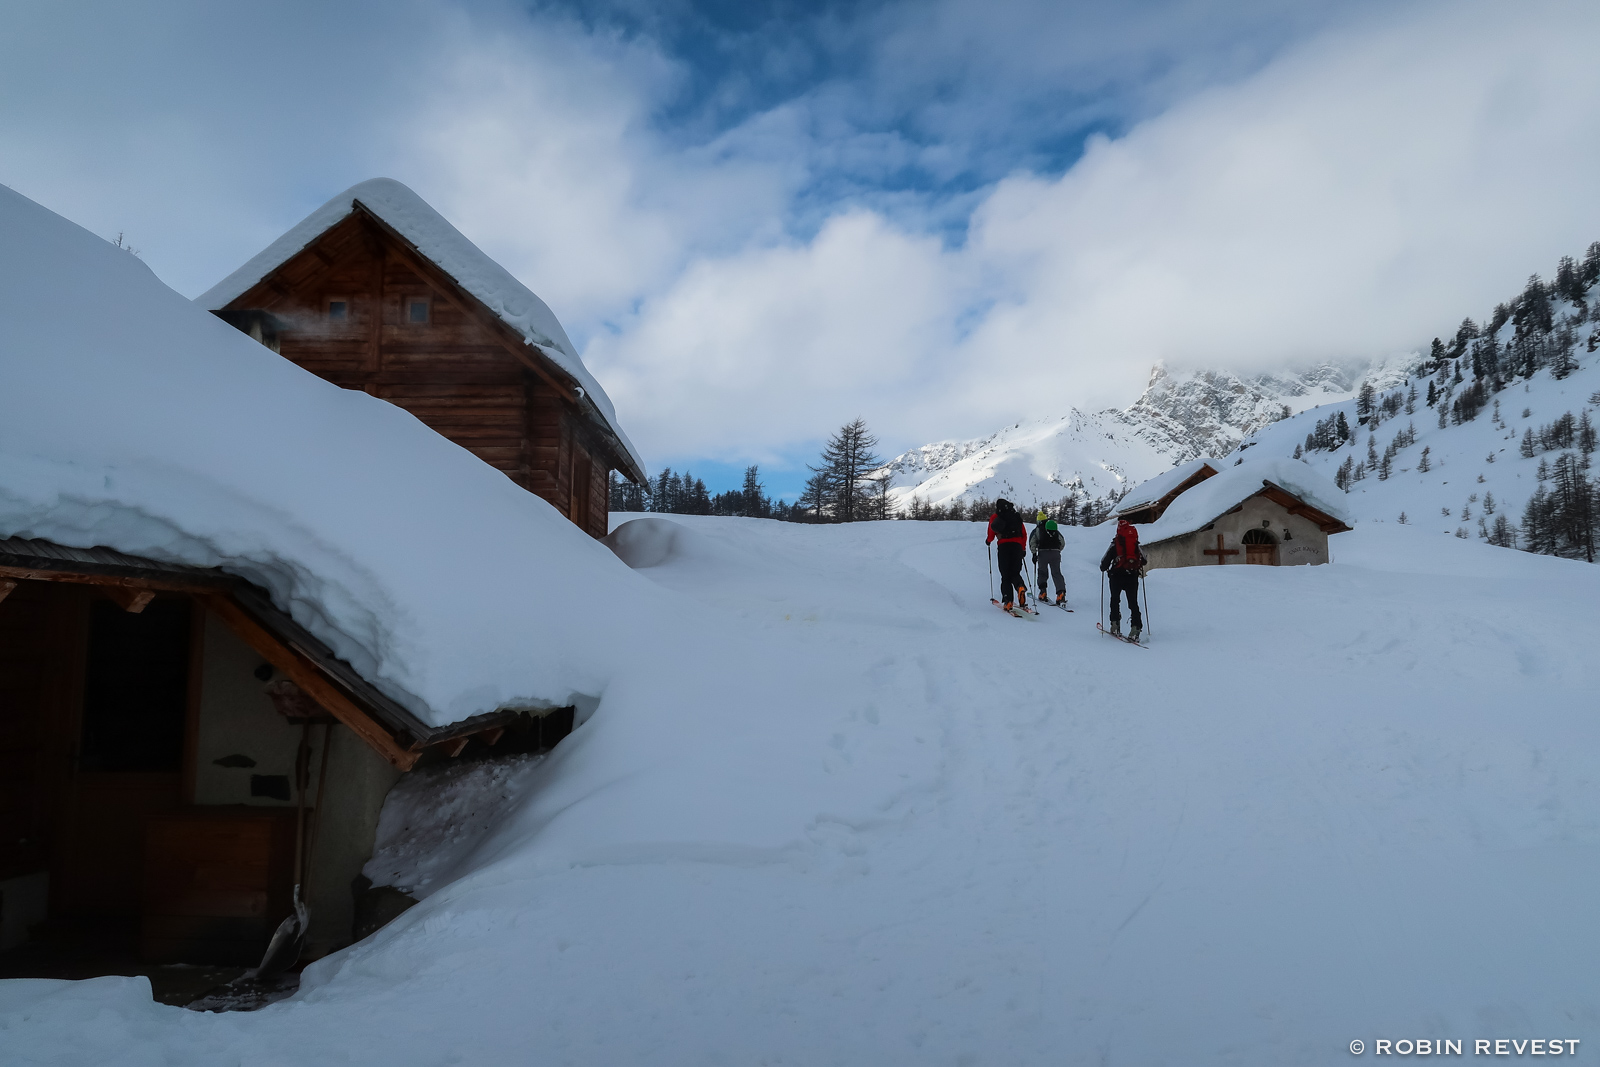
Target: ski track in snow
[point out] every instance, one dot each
(848, 813)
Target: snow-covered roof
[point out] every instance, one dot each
(1150, 491)
(1218, 495)
(449, 249)
(132, 419)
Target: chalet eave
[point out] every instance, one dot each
(391, 730)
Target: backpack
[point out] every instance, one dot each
(1007, 523)
(1126, 541)
(1052, 540)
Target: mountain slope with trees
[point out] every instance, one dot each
(1492, 434)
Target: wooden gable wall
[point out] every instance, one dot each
(458, 372)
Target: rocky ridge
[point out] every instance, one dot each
(1178, 417)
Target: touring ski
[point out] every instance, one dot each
(1124, 638)
(1021, 613)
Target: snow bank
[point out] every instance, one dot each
(133, 419)
(448, 247)
(647, 542)
(843, 811)
(1216, 496)
(433, 819)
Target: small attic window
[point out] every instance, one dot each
(417, 310)
(339, 310)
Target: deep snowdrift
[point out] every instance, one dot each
(843, 811)
(131, 418)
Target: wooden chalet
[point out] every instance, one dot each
(376, 291)
(176, 753)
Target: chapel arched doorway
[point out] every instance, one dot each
(1260, 548)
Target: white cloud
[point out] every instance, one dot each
(537, 141)
(752, 352)
(1356, 196)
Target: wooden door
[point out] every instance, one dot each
(582, 479)
(1262, 555)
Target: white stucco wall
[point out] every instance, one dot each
(237, 717)
(1300, 541)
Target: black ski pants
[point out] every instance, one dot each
(1125, 582)
(1010, 557)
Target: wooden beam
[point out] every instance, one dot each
(492, 737)
(1219, 551)
(6, 586)
(316, 685)
(132, 601)
(159, 585)
(452, 749)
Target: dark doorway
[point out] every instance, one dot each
(129, 755)
(136, 688)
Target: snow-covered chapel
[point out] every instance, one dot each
(1269, 512)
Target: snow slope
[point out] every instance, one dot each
(842, 811)
(432, 235)
(131, 418)
(1450, 495)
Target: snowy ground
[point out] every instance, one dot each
(846, 812)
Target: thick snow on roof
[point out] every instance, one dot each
(1216, 496)
(133, 419)
(446, 246)
(1150, 491)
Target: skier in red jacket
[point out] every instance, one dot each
(1005, 526)
(1123, 561)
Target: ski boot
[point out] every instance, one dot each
(1133, 634)
(1116, 627)
(1061, 599)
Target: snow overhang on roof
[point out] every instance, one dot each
(1289, 482)
(1169, 483)
(389, 729)
(132, 419)
(449, 249)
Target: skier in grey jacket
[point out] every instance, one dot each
(1046, 544)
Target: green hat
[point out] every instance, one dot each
(1049, 524)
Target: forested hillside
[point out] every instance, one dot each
(1492, 433)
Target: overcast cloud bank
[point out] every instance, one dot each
(890, 217)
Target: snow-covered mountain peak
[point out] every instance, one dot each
(1180, 415)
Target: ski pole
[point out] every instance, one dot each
(1102, 600)
(1146, 586)
(990, 553)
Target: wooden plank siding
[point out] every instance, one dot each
(462, 373)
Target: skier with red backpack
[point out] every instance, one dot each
(1005, 526)
(1122, 563)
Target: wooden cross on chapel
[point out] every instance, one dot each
(1219, 551)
